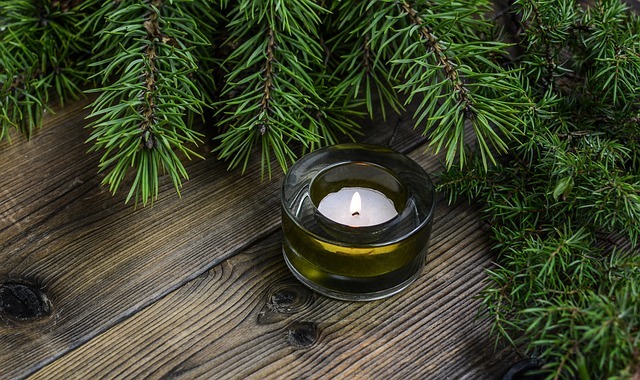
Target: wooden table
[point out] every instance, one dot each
(196, 286)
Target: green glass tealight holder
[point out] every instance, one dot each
(363, 246)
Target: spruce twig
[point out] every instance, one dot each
(459, 83)
(450, 70)
(140, 119)
(272, 96)
(43, 51)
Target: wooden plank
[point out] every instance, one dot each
(249, 318)
(99, 261)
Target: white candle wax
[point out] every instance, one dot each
(342, 207)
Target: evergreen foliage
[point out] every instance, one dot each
(274, 93)
(145, 61)
(43, 52)
(555, 113)
(564, 203)
(279, 76)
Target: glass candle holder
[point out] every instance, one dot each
(356, 220)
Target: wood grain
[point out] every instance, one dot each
(99, 261)
(249, 318)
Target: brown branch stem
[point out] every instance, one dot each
(449, 67)
(546, 44)
(265, 103)
(366, 59)
(152, 26)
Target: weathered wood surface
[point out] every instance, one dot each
(196, 286)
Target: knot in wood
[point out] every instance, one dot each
(283, 300)
(289, 298)
(302, 334)
(23, 301)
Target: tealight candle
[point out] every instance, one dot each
(356, 220)
(357, 207)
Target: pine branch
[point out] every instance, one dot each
(43, 53)
(22, 96)
(459, 80)
(357, 62)
(450, 71)
(545, 37)
(139, 120)
(271, 96)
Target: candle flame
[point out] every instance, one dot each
(356, 204)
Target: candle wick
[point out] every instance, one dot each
(355, 213)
